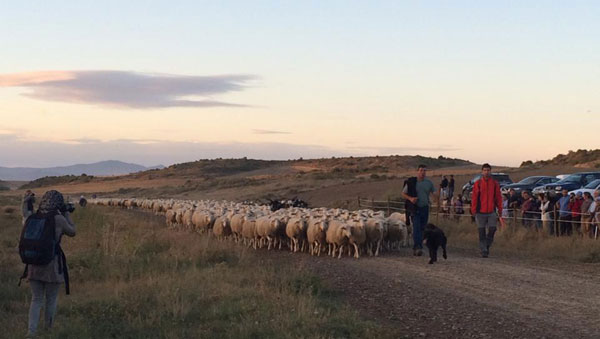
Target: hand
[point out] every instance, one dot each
(413, 200)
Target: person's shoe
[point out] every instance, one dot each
(419, 253)
(484, 254)
(414, 252)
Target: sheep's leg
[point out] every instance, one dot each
(356, 255)
(378, 247)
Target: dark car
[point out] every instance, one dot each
(529, 183)
(501, 178)
(572, 182)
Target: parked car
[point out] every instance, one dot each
(529, 183)
(572, 182)
(591, 187)
(502, 178)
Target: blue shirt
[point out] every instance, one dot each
(563, 202)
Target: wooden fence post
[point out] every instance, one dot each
(555, 222)
(388, 206)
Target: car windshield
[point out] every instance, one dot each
(529, 180)
(592, 185)
(571, 178)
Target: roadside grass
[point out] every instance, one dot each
(131, 277)
(525, 242)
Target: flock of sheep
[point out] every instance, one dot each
(300, 229)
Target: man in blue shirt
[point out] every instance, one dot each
(564, 214)
(417, 191)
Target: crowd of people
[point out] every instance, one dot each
(560, 215)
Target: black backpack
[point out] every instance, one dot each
(38, 244)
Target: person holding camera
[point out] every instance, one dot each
(45, 280)
(27, 205)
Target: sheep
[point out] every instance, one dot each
(203, 220)
(237, 221)
(337, 236)
(268, 228)
(397, 232)
(170, 216)
(249, 231)
(222, 227)
(375, 231)
(316, 234)
(186, 219)
(296, 231)
(358, 236)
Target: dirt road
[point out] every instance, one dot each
(468, 296)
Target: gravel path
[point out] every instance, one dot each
(468, 296)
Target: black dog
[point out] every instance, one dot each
(435, 238)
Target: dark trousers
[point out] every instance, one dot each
(419, 220)
(565, 225)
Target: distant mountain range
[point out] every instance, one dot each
(110, 167)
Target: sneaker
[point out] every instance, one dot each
(419, 253)
(484, 254)
(415, 252)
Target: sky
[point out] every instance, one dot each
(163, 82)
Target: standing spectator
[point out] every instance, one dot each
(586, 216)
(444, 188)
(564, 214)
(486, 200)
(576, 212)
(514, 201)
(27, 205)
(505, 206)
(457, 206)
(416, 191)
(546, 213)
(451, 186)
(528, 209)
(595, 212)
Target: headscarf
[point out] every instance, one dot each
(51, 202)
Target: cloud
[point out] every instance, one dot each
(264, 131)
(123, 89)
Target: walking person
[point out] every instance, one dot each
(45, 280)
(416, 191)
(486, 205)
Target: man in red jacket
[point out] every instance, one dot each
(486, 201)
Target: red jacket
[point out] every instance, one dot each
(486, 197)
(575, 207)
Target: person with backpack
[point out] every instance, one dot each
(486, 201)
(45, 261)
(416, 191)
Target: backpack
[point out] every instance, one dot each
(38, 244)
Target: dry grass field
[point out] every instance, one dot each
(133, 277)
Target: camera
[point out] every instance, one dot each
(67, 207)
